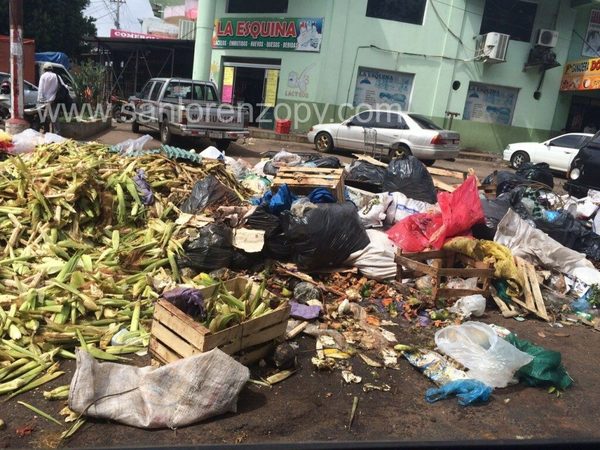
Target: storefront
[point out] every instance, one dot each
(581, 81)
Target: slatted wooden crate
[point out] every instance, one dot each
(442, 267)
(176, 335)
(302, 180)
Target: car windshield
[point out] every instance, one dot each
(424, 123)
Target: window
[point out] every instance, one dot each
(424, 123)
(409, 11)
(570, 141)
(156, 91)
(376, 87)
(145, 93)
(177, 91)
(204, 92)
(490, 104)
(511, 17)
(390, 120)
(257, 6)
(364, 119)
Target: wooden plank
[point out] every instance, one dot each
(256, 354)
(369, 159)
(447, 173)
(162, 353)
(281, 314)
(466, 273)
(173, 341)
(311, 170)
(506, 310)
(223, 337)
(416, 266)
(443, 186)
(276, 331)
(174, 318)
(296, 330)
(423, 256)
(536, 291)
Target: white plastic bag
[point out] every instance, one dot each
(212, 153)
(377, 260)
(401, 207)
(26, 141)
(471, 305)
(374, 213)
(489, 358)
(133, 145)
(178, 394)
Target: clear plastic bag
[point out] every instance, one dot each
(489, 358)
(132, 145)
(473, 304)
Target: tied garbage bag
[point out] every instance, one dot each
(546, 369)
(536, 172)
(211, 250)
(494, 211)
(326, 235)
(365, 172)
(460, 210)
(489, 358)
(409, 176)
(181, 393)
(327, 162)
(468, 392)
(207, 192)
(505, 181)
(470, 305)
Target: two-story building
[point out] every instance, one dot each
(318, 60)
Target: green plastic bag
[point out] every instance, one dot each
(545, 369)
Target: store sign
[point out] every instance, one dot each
(300, 35)
(376, 87)
(490, 104)
(122, 34)
(591, 45)
(582, 75)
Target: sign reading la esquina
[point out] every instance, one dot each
(290, 34)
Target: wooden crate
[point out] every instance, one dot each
(443, 267)
(176, 335)
(302, 180)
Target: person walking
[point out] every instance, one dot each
(51, 89)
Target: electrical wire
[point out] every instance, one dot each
(445, 24)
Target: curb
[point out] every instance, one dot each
(491, 157)
(269, 134)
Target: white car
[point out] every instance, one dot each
(557, 152)
(391, 132)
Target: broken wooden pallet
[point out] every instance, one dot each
(302, 180)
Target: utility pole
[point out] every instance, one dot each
(16, 123)
(118, 15)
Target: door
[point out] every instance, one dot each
(391, 128)
(142, 107)
(351, 135)
(561, 151)
(153, 105)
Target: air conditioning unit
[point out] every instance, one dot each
(547, 38)
(491, 47)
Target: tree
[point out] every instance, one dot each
(56, 25)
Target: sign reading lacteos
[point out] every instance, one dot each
(301, 35)
(582, 75)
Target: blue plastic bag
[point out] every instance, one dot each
(467, 391)
(279, 202)
(321, 195)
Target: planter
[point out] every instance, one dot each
(84, 129)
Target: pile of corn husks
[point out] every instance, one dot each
(78, 252)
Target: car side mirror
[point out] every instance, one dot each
(349, 123)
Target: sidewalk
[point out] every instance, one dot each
(259, 133)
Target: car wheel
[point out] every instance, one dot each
(222, 144)
(428, 162)
(518, 159)
(324, 142)
(165, 132)
(399, 150)
(135, 127)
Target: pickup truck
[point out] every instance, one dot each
(185, 107)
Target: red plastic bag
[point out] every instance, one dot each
(461, 210)
(418, 232)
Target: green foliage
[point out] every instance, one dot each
(56, 25)
(594, 296)
(89, 85)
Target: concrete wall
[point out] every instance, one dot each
(418, 49)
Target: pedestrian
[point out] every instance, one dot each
(51, 93)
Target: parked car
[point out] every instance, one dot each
(557, 152)
(390, 132)
(30, 91)
(185, 107)
(584, 169)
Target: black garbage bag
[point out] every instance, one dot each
(270, 169)
(207, 192)
(494, 211)
(326, 235)
(327, 162)
(278, 246)
(505, 181)
(211, 250)
(261, 219)
(537, 172)
(570, 232)
(365, 172)
(410, 176)
(242, 260)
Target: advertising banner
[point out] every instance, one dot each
(591, 45)
(289, 34)
(376, 87)
(122, 34)
(582, 75)
(490, 104)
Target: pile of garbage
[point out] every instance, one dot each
(93, 237)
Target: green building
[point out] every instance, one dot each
(490, 69)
